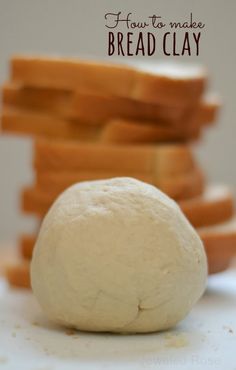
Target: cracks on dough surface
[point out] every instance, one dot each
(140, 307)
(92, 300)
(156, 306)
(98, 295)
(140, 310)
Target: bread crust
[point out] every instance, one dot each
(72, 73)
(127, 131)
(220, 249)
(77, 104)
(163, 89)
(16, 121)
(26, 245)
(18, 275)
(114, 79)
(159, 160)
(207, 211)
(119, 131)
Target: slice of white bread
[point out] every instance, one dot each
(26, 245)
(77, 105)
(107, 107)
(164, 81)
(45, 100)
(220, 244)
(159, 160)
(214, 206)
(210, 109)
(22, 122)
(129, 131)
(178, 187)
(72, 74)
(18, 274)
(57, 181)
(174, 84)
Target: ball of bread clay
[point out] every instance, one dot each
(117, 255)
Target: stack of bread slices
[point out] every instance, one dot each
(94, 120)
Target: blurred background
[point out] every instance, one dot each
(77, 28)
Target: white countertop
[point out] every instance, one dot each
(206, 339)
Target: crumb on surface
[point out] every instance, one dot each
(228, 328)
(176, 340)
(3, 360)
(35, 323)
(71, 332)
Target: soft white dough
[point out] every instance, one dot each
(117, 255)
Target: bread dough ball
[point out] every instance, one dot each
(117, 255)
